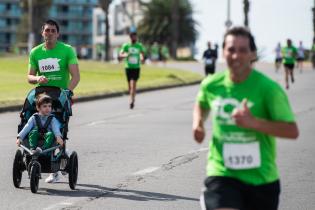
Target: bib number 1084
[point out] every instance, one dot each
(241, 156)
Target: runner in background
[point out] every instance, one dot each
(210, 56)
(278, 59)
(300, 56)
(133, 54)
(289, 54)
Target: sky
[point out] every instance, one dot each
(270, 21)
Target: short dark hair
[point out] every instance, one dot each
(50, 22)
(241, 31)
(43, 99)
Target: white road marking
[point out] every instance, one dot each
(145, 171)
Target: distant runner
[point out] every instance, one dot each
(133, 53)
(289, 54)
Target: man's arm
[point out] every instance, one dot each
(199, 116)
(33, 79)
(75, 76)
(245, 119)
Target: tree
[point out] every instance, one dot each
(162, 18)
(40, 9)
(104, 4)
(246, 4)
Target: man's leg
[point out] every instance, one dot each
(286, 70)
(132, 92)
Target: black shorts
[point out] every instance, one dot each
(225, 192)
(289, 66)
(300, 59)
(209, 69)
(278, 60)
(132, 74)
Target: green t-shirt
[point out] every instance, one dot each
(53, 63)
(245, 154)
(289, 54)
(155, 52)
(133, 59)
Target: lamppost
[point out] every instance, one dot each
(228, 22)
(30, 41)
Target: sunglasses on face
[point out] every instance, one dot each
(51, 30)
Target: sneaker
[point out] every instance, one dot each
(53, 177)
(132, 105)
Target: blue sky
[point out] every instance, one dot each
(270, 21)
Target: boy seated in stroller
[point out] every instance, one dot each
(42, 127)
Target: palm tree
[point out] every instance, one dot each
(313, 45)
(104, 4)
(164, 21)
(40, 9)
(246, 4)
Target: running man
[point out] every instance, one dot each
(210, 56)
(53, 63)
(289, 53)
(300, 56)
(248, 111)
(278, 59)
(133, 53)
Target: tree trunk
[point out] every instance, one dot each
(107, 40)
(312, 48)
(174, 37)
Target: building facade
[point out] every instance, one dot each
(73, 16)
(10, 13)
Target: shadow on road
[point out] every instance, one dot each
(96, 191)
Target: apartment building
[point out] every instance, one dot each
(74, 17)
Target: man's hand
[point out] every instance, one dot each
(243, 116)
(18, 141)
(199, 133)
(42, 80)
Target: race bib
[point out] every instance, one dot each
(208, 61)
(133, 60)
(49, 65)
(241, 156)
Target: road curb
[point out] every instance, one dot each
(14, 108)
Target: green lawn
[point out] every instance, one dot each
(96, 78)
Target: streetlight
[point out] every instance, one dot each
(228, 22)
(30, 41)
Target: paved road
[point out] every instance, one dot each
(146, 158)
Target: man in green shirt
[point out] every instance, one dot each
(289, 54)
(248, 111)
(133, 53)
(53, 63)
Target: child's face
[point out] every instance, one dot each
(44, 109)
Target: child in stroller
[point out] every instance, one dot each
(44, 156)
(42, 128)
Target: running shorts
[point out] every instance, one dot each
(226, 192)
(132, 74)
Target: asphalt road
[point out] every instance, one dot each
(146, 159)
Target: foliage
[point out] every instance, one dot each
(157, 23)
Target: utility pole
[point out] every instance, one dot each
(228, 22)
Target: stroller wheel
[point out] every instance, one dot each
(34, 177)
(73, 170)
(17, 168)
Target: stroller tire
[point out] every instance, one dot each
(34, 176)
(73, 170)
(17, 168)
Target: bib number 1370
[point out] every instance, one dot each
(241, 156)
